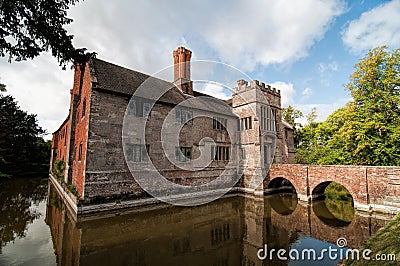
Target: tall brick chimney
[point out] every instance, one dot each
(182, 70)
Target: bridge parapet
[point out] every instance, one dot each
(369, 185)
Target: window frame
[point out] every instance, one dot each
(220, 153)
(246, 123)
(132, 107)
(268, 118)
(139, 107)
(220, 123)
(181, 153)
(146, 110)
(183, 114)
(137, 153)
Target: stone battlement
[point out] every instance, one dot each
(243, 85)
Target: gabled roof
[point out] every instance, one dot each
(116, 79)
(113, 78)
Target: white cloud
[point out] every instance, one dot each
(40, 87)
(306, 92)
(269, 32)
(325, 72)
(142, 34)
(287, 92)
(333, 66)
(376, 27)
(216, 90)
(323, 110)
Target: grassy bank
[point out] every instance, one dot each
(386, 241)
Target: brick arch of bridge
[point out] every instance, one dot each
(353, 179)
(296, 174)
(305, 178)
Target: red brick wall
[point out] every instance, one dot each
(80, 124)
(377, 180)
(59, 142)
(351, 177)
(295, 173)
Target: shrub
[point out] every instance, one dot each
(58, 169)
(58, 172)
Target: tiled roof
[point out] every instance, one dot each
(114, 78)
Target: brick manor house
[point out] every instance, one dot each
(90, 141)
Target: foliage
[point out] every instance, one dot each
(58, 172)
(73, 189)
(29, 27)
(22, 148)
(290, 114)
(312, 116)
(58, 169)
(374, 135)
(367, 130)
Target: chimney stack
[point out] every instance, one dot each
(182, 70)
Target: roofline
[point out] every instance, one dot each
(148, 75)
(63, 123)
(286, 124)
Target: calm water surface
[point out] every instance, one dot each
(36, 229)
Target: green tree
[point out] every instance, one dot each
(306, 140)
(290, 115)
(312, 116)
(367, 130)
(333, 142)
(22, 148)
(373, 135)
(29, 27)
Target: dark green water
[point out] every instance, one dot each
(36, 229)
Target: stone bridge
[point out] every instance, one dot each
(372, 187)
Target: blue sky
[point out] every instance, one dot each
(307, 48)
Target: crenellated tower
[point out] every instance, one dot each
(261, 130)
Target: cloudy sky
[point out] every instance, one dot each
(307, 48)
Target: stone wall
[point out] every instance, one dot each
(107, 172)
(367, 184)
(248, 100)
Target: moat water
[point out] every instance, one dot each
(36, 229)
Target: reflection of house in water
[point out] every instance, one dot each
(90, 143)
(228, 231)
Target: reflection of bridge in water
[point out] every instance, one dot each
(228, 231)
